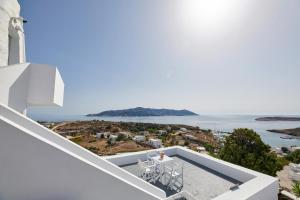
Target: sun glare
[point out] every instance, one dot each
(209, 15)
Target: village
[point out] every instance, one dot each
(109, 138)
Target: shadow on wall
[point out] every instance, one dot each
(18, 91)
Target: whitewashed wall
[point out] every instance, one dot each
(41, 132)
(27, 84)
(8, 9)
(255, 185)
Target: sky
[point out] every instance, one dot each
(208, 56)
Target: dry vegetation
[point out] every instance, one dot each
(84, 134)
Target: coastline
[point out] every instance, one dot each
(294, 132)
(222, 123)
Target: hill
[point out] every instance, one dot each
(278, 119)
(142, 112)
(293, 131)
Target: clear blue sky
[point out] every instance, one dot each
(202, 55)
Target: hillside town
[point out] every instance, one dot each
(109, 138)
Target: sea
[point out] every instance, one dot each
(217, 123)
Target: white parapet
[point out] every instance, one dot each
(36, 163)
(254, 185)
(25, 85)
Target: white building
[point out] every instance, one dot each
(162, 132)
(183, 129)
(145, 133)
(36, 163)
(139, 138)
(113, 138)
(102, 135)
(295, 148)
(23, 84)
(190, 137)
(156, 143)
(124, 133)
(201, 149)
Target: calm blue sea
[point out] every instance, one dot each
(213, 122)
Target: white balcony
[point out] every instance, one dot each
(205, 177)
(25, 85)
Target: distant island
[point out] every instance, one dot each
(292, 132)
(142, 112)
(278, 119)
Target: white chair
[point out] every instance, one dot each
(174, 176)
(146, 171)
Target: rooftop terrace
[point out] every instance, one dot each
(197, 180)
(204, 177)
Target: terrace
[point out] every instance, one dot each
(197, 180)
(204, 177)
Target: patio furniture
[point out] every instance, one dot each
(152, 154)
(174, 176)
(166, 160)
(146, 171)
(161, 163)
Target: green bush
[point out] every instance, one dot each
(77, 139)
(121, 137)
(209, 147)
(282, 161)
(152, 130)
(296, 189)
(244, 147)
(294, 156)
(186, 143)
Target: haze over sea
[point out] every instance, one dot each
(224, 123)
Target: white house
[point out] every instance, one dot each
(23, 84)
(190, 137)
(36, 163)
(126, 134)
(201, 149)
(162, 132)
(139, 138)
(145, 133)
(294, 171)
(183, 129)
(156, 143)
(102, 135)
(295, 148)
(113, 138)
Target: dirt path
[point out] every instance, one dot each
(58, 125)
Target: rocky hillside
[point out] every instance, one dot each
(142, 112)
(293, 132)
(278, 119)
